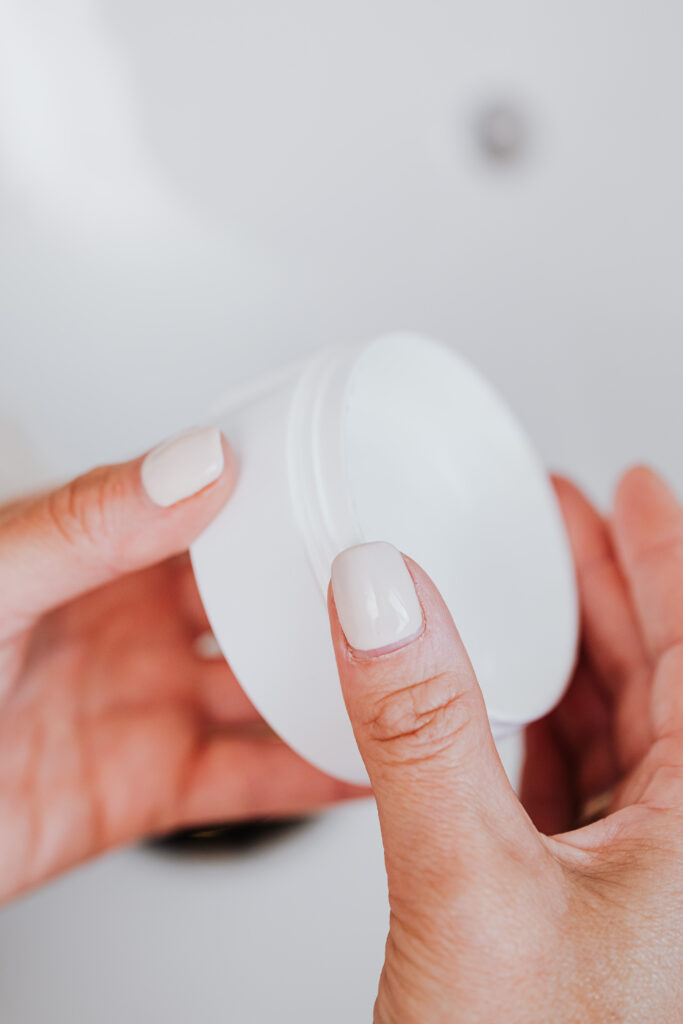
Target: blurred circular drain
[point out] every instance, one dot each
(501, 133)
(240, 837)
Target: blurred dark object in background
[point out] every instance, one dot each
(234, 838)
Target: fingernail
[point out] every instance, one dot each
(206, 646)
(182, 466)
(375, 597)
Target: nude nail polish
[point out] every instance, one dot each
(183, 466)
(375, 597)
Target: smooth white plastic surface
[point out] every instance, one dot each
(398, 440)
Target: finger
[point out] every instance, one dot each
(547, 788)
(110, 522)
(648, 529)
(238, 778)
(583, 726)
(221, 698)
(189, 601)
(610, 634)
(419, 720)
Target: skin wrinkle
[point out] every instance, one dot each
(90, 507)
(433, 753)
(408, 713)
(81, 513)
(59, 509)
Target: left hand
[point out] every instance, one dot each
(112, 726)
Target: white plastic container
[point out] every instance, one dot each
(398, 440)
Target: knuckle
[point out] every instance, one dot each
(83, 512)
(422, 720)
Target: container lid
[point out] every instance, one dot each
(437, 465)
(398, 440)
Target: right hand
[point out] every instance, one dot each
(492, 920)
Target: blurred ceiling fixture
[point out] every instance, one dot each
(501, 133)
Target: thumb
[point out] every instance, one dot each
(112, 521)
(445, 804)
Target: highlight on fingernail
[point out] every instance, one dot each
(375, 597)
(183, 466)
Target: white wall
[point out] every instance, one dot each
(192, 192)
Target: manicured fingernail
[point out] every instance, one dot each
(206, 646)
(375, 597)
(182, 466)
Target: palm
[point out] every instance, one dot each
(113, 726)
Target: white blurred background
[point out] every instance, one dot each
(191, 193)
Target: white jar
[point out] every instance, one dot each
(398, 440)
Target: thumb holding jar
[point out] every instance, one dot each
(492, 920)
(451, 824)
